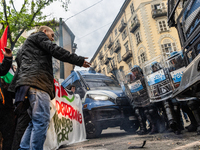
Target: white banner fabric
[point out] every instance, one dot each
(66, 120)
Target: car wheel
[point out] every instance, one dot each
(93, 129)
(131, 126)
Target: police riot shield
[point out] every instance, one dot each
(176, 68)
(188, 26)
(123, 83)
(158, 81)
(137, 86)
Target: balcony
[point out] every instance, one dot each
(94, 65)
(113, 67)
(122, 26)
(134, 26)
(106, 61)
(99, 70)
(158, 13)
(117, 47)
(100, 56)
(110, 43)
(127, 55)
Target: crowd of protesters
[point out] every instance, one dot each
(24, 124)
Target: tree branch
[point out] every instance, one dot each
(13, 5)
(6, 17)
(32, 19)
(23, 6)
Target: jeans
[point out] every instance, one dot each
(39, 111)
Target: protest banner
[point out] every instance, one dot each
(66, 120)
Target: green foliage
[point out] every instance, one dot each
(29, 16)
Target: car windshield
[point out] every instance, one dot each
(101, 82)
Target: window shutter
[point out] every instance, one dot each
(162, 5)
(145, 56)
(152, 7)
(174, 46)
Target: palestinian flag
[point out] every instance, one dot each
(3, 43)
(9, 76)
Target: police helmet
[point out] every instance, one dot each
(155, 66)
(136, 67)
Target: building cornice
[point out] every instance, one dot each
(118, 17)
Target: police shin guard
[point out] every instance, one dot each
(151, 116)
(170, 115)
(193, 126)
(178, 116)
(141, 121)
(194, 106)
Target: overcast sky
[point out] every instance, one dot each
(85, 25)
(98, 17)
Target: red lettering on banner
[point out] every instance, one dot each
(67, 110)
(58, 107)
(57, 87)
(80, 119)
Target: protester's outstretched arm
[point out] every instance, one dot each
(7, 61)
(86, 64)
(59, 52)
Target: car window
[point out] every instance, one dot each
(79, 89)
(68, 82)
(101, 83)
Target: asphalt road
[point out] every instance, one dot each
(116, 139)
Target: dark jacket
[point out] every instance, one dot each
(34, 61)
(4, 68)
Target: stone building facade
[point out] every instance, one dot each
(139, 33)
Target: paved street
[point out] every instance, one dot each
(116, 139)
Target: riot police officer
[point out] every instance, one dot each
(160, 92)
(188, 104)
(140, 102)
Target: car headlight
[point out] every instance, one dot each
(99, 97)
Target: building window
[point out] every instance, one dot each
(117, 42)
(111, 51)
(124, 35)
(130, 65)
(103, 71)
(134, 20)
(115, 32)
(95, 63)
(110, 39)
(113, 61)
(138, 38)
(168, 47)
(158, 6)
(106, 55)
(122, 21)
(119, 58)
(126, 46)
(163, 26)
(142, 56)
(102, 63)
(105, 47)
(132, 8)
(108, 69)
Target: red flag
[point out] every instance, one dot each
(3, 43)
